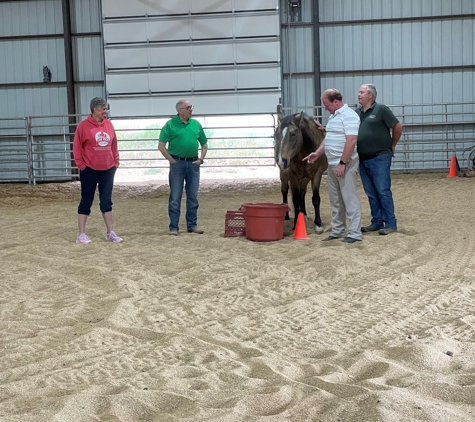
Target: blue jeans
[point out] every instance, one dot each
(90, 180)
(376, 179)
(188, 174)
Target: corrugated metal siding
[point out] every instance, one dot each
(297, 57)
(30, 17)
(33, 101)
(25, 60)
(86, 16)
(417, 60)
(414, 52)
(88, 53)
(346, 10)
(89, 59)
(84, 95)
(299, 93)
(23, 92)
(397, 45)
(408, 88)
(26, 57)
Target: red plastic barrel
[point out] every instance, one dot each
(264, 221)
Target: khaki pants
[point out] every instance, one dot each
(344, 201)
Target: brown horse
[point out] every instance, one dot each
(296, 137)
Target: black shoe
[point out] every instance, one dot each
(330, 238)
(370, 228)
(195, 230)
(387, 230)
(350, 240)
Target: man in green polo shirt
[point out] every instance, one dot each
(378, 135)
(184, 135)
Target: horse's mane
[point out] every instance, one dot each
(287, 120)
(312, 135)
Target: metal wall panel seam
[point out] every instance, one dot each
(187, 16)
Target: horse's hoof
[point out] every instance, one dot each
(318, 230)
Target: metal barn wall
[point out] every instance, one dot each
(413, 51)
(223, 55)
(33, 34)
(88, 53)
(298, 56)
(419, 54)
(27, 43)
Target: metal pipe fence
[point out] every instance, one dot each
(39, 148)
(14, 152)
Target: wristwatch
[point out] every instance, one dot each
(342, 162)
(202, 161)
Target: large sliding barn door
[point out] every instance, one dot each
(222, 55)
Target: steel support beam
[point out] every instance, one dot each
(68, 55)
(317, 88)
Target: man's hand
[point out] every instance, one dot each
(311, 158)
(339, 170)
(319, 125)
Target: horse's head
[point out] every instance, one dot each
(289, 138)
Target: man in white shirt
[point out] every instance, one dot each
(339, 146)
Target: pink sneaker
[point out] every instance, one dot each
(112, 237)
(82, 238)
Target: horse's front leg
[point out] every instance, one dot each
(303, 210)
(316, 203)
(284, 188)
(297, 201)
(302, 192)
(285, 200)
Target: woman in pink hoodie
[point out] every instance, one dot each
(97, 156)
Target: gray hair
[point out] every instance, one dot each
(371, 89)
(97, 102)
(180, 104)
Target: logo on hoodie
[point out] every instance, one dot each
(102, 139)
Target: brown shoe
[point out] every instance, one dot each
(195, 230)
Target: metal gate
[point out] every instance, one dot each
(39, 148)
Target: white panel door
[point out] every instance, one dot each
(223, 55)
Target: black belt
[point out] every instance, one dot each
(175, 157)
(370, 156)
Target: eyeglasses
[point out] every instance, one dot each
(189, 108)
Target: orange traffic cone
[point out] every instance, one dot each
(300, 229)
(453, 167)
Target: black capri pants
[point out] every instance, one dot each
(90, 179)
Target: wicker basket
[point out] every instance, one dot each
(234, 224)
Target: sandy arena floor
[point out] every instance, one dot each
(211, 328)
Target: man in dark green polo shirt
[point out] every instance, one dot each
(378, 135)
(184, 135)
